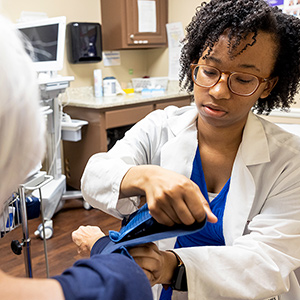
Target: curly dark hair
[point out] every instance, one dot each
(240, 18)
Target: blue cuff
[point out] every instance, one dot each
(100, 245)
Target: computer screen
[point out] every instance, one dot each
(45, 41)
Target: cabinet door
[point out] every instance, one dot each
(134, 24)
(146, 22)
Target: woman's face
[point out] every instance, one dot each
(217, 105)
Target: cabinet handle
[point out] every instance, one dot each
(132, 36)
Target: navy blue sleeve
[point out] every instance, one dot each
(108, 277)
(100, 245)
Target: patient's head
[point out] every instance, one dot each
(21, 124)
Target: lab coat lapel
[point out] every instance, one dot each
(178, 153)
(254, 146)
(239, 201)
(253, 150)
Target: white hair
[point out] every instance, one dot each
(22, 125)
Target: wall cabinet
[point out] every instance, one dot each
(134, 24)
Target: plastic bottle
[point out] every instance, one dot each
(109, 86)
(98, 89)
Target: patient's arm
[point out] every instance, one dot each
(14, 288)
(85, 237)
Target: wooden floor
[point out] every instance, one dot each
(61, 250)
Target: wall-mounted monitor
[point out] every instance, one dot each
(45, 42)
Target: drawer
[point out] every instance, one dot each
(126, 116)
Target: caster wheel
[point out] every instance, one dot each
(48, 230)
(86, 205)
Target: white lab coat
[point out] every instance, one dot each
(262, 214)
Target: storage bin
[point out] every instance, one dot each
(152, 83)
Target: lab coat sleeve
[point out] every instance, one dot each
(259, 264)
(104, 172)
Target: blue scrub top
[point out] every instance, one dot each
(212, 233)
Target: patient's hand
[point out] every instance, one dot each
(85, 237)
(159, 266)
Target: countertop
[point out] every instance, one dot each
(84, 97)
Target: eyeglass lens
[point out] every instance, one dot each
(239, 83)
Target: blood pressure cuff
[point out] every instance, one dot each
(141, 228)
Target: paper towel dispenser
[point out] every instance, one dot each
(84, 42)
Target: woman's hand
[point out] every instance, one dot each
(171, 197)
(158, 266)
(85, 237)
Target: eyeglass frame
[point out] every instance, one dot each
(260, 79)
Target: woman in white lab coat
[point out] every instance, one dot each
(237, 55)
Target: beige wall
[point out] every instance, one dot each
(152, 62)
(179, 11)
(80, 11)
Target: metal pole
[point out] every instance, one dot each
(44, 234)
(26, 239)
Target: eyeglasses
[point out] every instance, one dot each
(242, 84)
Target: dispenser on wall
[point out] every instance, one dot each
(84, 42)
